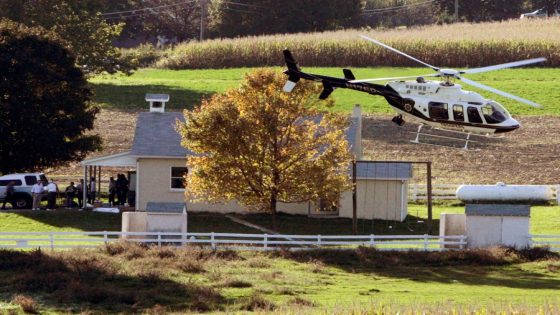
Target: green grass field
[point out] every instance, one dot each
(544, 220)
(334, 282)
(186, 87)
(128, 279)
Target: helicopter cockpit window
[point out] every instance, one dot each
(458, 113)
(438, 110)
(474, 116)
(493, 113)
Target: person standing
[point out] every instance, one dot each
(37, 193)
(70, 192)
(80, 192)
(52, 190)
(112, 191)
(10, 192)
(91, 191)
(122, 188)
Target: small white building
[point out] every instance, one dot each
(160, 163)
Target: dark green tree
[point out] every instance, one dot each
(80, 24)
(550, 5)
(45, 109)
(483, 10)
(255, 17)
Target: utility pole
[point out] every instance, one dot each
(203, 13)
(456, 14)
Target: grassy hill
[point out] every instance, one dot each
(126, 279)
(186, 87)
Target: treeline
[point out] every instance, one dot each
(182, 20)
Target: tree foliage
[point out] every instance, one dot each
(44, 102)
(259, 145)
(550, 5)
(79, 24)
(256, 17)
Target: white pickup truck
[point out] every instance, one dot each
(22, 188)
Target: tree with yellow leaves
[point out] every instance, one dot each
(259, 145)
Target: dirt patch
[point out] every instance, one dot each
(529, 155)
(116, 128)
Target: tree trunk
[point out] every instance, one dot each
(273, 211)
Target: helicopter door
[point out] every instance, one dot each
(458, 113)
(438, 111)
(474, 115)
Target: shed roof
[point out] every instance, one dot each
(497, 210)
(384, 170)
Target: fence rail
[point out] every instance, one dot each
(417, 192)
(58, 240)
(550, 241)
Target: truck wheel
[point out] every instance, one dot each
(21, 202)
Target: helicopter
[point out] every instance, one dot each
(442, 105)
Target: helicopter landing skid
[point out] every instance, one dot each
(419, 133)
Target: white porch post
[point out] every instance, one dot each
(84, 188)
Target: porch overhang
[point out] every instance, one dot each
(124, 159)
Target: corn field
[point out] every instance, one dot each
(454, 45)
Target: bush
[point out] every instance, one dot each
(27, 303)
(142, 56)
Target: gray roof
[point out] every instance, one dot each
(497, 210)
(384, 170)
(165, 207)
(155, 135)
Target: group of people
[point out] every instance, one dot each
(118, 188)
(39, 189)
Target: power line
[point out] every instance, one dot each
(147, 9)
(395, 8)
(119, 17)
(238, 10)
(245, 4)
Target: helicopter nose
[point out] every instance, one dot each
(510, 125)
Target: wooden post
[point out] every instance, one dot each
(429, 193)
(354, 199)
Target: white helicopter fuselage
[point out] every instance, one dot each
(446, 106)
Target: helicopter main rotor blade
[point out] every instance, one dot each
(504, 65)
(394, 78)
(502, 93)
(398, 52)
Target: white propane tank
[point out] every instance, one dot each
(503, 192)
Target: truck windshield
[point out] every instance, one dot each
(494, 113)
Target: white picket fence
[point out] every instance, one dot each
(550, 241)
(59, 240)
(418, 192)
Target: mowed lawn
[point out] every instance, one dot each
(544, 220)
(187, 87)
